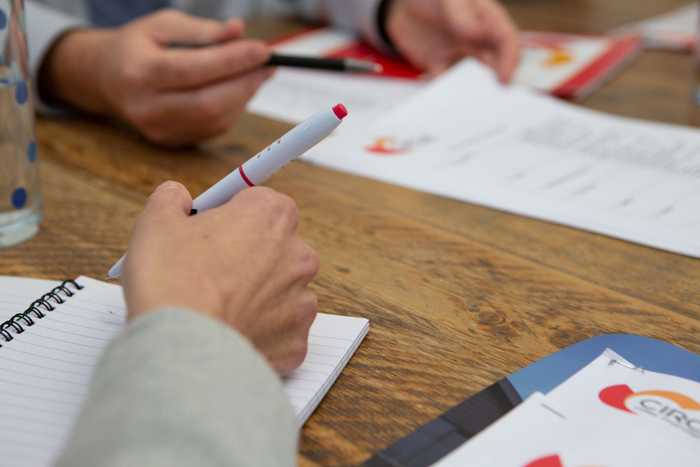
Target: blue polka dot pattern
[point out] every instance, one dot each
(3, 20)
(21, 92)
(19, 198)
(32, 151)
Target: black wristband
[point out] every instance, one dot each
(382, 18)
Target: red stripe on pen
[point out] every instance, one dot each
(245, 177)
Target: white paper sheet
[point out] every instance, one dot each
(469, 138)
(538, 67)
(294, 95)
(333, 340)
(614, 392)
(527, 433)
(677, 29)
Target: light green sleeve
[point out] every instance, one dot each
(179, 389)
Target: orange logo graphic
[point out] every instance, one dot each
(386, 147)
(558, 57)
(617, 396)
(674, 408)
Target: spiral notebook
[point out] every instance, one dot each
(53, 334)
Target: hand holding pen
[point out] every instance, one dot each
(171, 96)
(261, 166)
(255, 284)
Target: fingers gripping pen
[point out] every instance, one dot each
(261, 166)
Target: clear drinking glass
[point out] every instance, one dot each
(696, 55)
(20, 199)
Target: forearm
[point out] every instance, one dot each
(181, 389)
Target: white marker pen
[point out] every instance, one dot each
(261, 166)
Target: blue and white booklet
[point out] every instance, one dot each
(613, 400)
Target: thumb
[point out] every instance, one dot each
(169, 199)
(173, 26)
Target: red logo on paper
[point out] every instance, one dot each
(677, 409)
(547, 461)
(618, 396)
(388, 146)
(615, 396)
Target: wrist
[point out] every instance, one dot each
(144, 302)
(69, 73)
(137, 308)
(384, 12)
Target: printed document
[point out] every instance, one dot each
(468, 137)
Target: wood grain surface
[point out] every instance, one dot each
(458, 295)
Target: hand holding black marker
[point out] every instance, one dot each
(268, 161)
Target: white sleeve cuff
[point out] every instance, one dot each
(44, 26)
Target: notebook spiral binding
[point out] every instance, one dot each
(38, 308)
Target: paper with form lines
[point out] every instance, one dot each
(46, 370)
(469, 138)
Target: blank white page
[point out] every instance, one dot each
(45, 371)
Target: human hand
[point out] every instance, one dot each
(242, 264)
(173, 96)
(433, 35)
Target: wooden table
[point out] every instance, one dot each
(459, 295)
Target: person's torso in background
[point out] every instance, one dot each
(221, 9)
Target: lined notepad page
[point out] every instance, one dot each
(332, 342)
(46, 370)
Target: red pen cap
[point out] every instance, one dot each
(340, 111)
